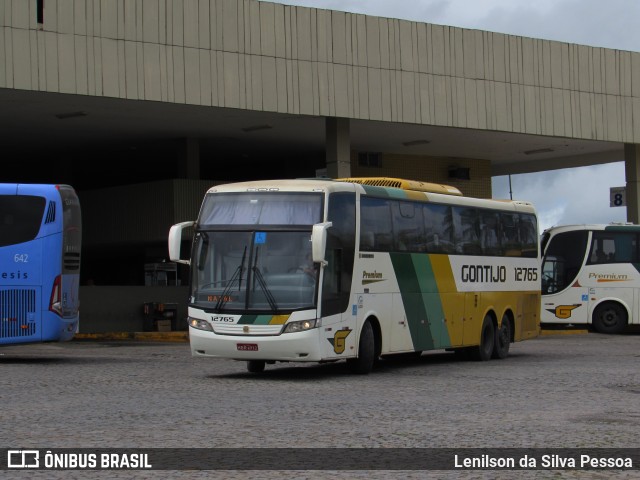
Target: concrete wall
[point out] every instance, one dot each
(139, 213)
(267, 57)
(120, 309)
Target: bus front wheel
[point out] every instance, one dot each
(487, 340)
(609, 317)
(255, 366)
(366, 351)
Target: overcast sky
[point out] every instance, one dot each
(577, 195)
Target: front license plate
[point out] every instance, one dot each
(247, 347)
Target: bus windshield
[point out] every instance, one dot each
(252, 252)
(261, 208)
(563, 258)
(268, 271)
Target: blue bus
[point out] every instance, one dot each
(40, 240)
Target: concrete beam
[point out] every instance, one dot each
(338, 147)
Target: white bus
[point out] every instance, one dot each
(396, 267)
(590, 276)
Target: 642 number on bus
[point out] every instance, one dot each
(21, 258)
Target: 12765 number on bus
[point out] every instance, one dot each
(525, 274)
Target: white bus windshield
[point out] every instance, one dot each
(261, 271)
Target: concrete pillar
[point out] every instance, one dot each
(189, 158)
(338, 147)
(632, 174)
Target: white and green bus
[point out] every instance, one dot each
(355, 269)
(590, 276)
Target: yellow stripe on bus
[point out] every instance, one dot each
(278, 319)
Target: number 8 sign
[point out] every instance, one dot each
(617, 197)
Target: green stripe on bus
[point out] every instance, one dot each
(263, 319)
(255, 319)
(413, 301)
(432, 301)
(621, 228)
(247, 319)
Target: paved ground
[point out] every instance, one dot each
(565, 391)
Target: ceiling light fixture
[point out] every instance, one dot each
(64, 116)
(412, 143)
(540, 150)
(255, 128)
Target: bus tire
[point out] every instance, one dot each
(366, 352)
(503, 339)
(487, 340)
(609, 317)
(256, 366)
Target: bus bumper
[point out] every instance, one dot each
(59, 329)
(288, 347)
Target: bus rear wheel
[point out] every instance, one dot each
(487, 340)
(609, 317)
(256, 366)
(502, 340)
(366, 352)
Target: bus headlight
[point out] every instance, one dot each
(300, 326)
(200, 324)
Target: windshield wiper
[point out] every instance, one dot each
(237, 274)
(258, 274)
(265, 289)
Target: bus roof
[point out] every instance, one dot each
(396, 188)
(40, 189)
(287, 185)
(614, 226)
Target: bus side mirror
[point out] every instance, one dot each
(319, 242)
(175, 241)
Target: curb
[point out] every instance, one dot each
(141, 336)
(572, 331)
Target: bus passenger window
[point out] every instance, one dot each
(375, 217)
(613, 247)
(438, 222)
(489, 235)
(467, 230)
(408, 227)
(510, 239)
